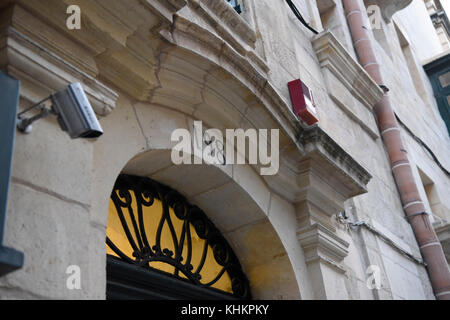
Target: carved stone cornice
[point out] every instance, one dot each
(247, 68)
(164, 9)
(229, 18)
(176, 4)
(342, 72)
(42, 73)
(109, 46)
(333, 56)
(354, 175)
(223, 23)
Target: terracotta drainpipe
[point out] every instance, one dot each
(413, 206)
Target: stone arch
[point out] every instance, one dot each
(236, 211)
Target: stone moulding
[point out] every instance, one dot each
(177, 4)
(231, 19)
(229, 26)
(320, 243)
(315, 140)
(332, 55)
(42, 71)
(165, 9)
(198, 40)
(334, 58)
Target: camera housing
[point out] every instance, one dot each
(75, 113)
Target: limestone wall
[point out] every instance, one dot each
(290, 55)
(168, 63)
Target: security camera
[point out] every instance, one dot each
(73, 110)
(75, 114)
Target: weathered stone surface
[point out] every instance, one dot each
(123, 140)
(51, 233)
(150, 67)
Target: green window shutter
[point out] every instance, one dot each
(439, 73)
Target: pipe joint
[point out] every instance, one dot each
(408, 217)
(353, 12)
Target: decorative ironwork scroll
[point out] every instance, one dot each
(149, 248)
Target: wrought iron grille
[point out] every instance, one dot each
(235, 5)
(193, 218)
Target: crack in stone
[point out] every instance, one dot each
(37, 188)
(141, 128)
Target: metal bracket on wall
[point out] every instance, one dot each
(343, 219)
(24, 125)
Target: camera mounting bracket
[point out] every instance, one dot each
(24, 125)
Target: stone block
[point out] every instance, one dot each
(53, 234)
(236, 207)
(158, 123)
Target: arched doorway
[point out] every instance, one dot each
(159, 246)
(259, 226)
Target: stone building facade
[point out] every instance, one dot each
(440, 21)
(323, 227)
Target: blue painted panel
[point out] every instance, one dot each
(10, 259)
(9, 96)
